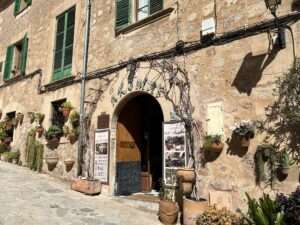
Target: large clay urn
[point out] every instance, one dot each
(168, 212)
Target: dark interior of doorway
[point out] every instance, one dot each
(143, 118)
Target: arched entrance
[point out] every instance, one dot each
(139, 146)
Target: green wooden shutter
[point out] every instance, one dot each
(122, 13)
(28, 2)
(17, 7)
(24, 55)
(8, 62)
(155, 5)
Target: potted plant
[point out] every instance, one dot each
(73, 135)
(186, 178)
(66, 108)
(74, 118)
(53, 135)
(213, 143)
(31, 116)
(20, 117)
(13, 156)
(245, 130)
(39, 118)
(168, 209)
(39, 130)
(285, 163)
(192, 209)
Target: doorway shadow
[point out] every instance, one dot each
(251, 70)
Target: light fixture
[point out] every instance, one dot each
(272, 5)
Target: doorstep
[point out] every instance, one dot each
(144, 201)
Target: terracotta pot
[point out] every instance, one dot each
(7, 140)
(40, 131)
(20, 117)
(284, 171)
(187, 174)
(72, 139)
(217, 147)
(52, 160)
(69, 164)
(186, 188)
(66, 112)
(53, 142)
(245, 142)
(192, 209)
(89, 187)
(168, 212)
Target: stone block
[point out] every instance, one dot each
(221, 199)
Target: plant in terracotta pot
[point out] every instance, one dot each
(39, 118)
(14, 156)
(31, 116)
(74, 118)
(69, 162)
(39, 130)
(66, 108)
(73, 135)
(245, 130)
(53, 135)
(285, 162)
(213, 143)
(168, 208)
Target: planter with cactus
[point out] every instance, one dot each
(213, 143)
(66, 108)
(285, 163)
(245, 131)
(53, 135)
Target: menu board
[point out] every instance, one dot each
(101, 159)
(174, 142)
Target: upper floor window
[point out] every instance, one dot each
(131, 11)
(63, 52)
(16, 57)
(21, 5)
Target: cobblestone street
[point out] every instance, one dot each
(28, 198)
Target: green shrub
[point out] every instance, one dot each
(13, 155)
(67, 104)
(53, 132)
(211, 139)
(3, 148)
(219, 217)
(265, 211)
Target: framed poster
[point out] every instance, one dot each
(101, 155)
(174, 145)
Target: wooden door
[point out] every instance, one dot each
(129, 140)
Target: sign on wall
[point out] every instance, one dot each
(101, 159)
(174, 142)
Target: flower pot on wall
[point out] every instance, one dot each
(66, 112)
(40, 131)
(69, 164)
(53, 142)
(245, 142)
(284, 170)
(51, 160)
(168, 212)
(20, 117)
(72, 138)
(7, 140)
(187, 174)
(217, 147)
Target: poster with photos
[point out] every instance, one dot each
(174, 142)
(101, 159)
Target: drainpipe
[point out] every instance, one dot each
(82, 140)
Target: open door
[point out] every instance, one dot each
(139, 150)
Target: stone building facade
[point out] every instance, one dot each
(227, 82)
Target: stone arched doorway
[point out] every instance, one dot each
(139, 154)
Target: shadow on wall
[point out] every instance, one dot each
(296, 5)
(4, 4)
(251, 71)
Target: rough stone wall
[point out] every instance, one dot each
(240, 74)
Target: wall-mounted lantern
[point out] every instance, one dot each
(272, 5)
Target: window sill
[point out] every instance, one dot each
(14, 79)
(150, 19)
(54, 85)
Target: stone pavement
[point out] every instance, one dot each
(29, 198)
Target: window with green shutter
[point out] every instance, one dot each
(21, 5)
(16, 58)
(63, 52)
(142, 10)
